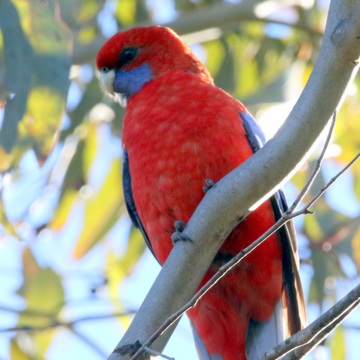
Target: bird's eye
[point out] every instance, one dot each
(127, 55)
(105, 69)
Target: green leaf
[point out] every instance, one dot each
(41, 289)
(215, 56)
(18, 60)
(43, 292)
(338, 345)
(37, 64)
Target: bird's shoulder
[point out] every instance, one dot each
(185, 89)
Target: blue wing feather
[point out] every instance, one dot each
(256, 139)
(129, 200)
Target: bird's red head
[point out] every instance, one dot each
(147, 52)
(158, 46)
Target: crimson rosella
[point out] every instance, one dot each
(180, 130)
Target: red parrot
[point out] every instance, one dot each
(180, 131)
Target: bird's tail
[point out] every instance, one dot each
(263, 336)
(260, 336)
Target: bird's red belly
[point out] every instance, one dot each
(171, 190)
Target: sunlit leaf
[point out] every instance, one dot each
(125, 12)
(86, 34)
(89, 9)
(300, 178)
(16, 353)
(356, 247)
(338, 344)
(38, 77)
(215, 55)
(5, 222)
(43, 292)
(101, 211)
(313, 228)
(63, 210)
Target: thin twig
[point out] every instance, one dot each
(233, 262)
(316, 170)
(156, 353)
(27, 312)
(56, 323)
(300, 352)
(312, 333)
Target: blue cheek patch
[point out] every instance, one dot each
(130, 82)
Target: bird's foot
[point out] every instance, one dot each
(209, 184)
(129, 349)
(178, 235)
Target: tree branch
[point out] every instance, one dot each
(216, 16)
(315, 332)
(56, 323)
(299, 353)
(244, 188)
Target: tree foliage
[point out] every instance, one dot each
(60, 156)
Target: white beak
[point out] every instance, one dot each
(107, 79)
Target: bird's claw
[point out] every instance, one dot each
(178, 235)
(209, 184)
(130, 349)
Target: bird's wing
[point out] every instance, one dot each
(129, 200)
(289, 315)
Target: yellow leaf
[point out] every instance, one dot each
(63, 209)
(16, 353)
(42, 118)
(5, 222)
(102, 211)
(125, 11)
(215, 56)
(356, 248)
(86, 34)
(313, 228)
(338, 345)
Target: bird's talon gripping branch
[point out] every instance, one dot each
(178, 235)
(209, 184)
(130, 349)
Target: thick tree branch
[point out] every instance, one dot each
(255, 180)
